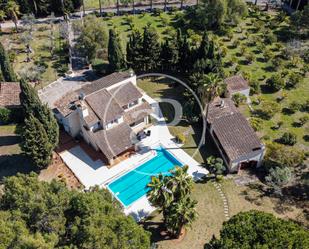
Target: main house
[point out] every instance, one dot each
(237, 142)
(106, 113)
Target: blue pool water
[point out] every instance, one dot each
(133, 185)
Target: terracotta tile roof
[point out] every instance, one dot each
(10, 94)
(137, 113)
(236, 83)
(125, 94)
(67, 104)
(236, 136)
(221, 107)
(114, 141)
(92, 118)
(105, 82)
(104, 106)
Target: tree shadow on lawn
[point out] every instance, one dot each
(9, 140)
(157, 230)
(12, 164)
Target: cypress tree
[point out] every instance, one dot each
(135, 51)
(151, 48)
(29, 98)
(169, 55)
(6, 68)
(35, 142)
(185, 56)
(33, 106)
(115, 55)
(49, 122)
(203, 50)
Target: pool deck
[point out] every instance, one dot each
(91, 173)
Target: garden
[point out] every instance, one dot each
(38, 52)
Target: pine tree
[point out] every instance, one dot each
(5, 65)
(115, 55)
(135, 51)
(151, 48)
(35, 142)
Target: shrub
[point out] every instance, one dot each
(270, 38)
(293, 79)
(278, 177)
(275, 82)
(280, 155)
(239, 98)
(267, 109)
(157, 12)
(254, 87)
(181, 138)
(288, 138)
(249, 57)
(305, 56)
(5, 116)
(215, 165)
(295, 106)
(256, 123)
(267, 54)
(303, 120)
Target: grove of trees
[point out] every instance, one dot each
(36, 214)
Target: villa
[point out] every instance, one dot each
(107, 114)
(237, 142)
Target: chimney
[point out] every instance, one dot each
(131, 73)
(82, 96)
(222, 103)
(84, 109)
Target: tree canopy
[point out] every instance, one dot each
(35, 214)
(6, 70)
(255, 229)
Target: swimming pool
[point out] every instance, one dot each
(133, 185)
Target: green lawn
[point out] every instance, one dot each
(94, 4)
(11, 159)
(162, 23)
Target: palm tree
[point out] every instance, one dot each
(181, 214)
(159, 195)
(2, 16)
(180, 182)
(209, 88)
(12, 10)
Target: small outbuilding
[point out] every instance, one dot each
(235, 139)
(237, 84)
